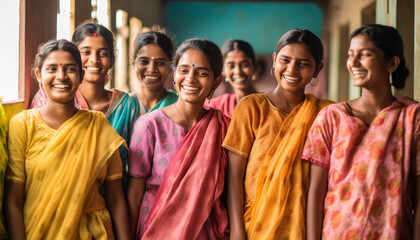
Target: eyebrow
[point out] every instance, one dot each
(55, 64)
(89, 47)
(147, 58)
(300, 59)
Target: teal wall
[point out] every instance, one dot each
(259, 23)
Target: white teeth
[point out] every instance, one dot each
(189, 88)
(93, 68)
(151, 77)
(359, 73)
(290, 79)
(61, 86)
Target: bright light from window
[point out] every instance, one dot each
(63, 20)
(101, 13)
(9, 47)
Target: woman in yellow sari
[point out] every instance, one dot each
(267, 181)
(59, 157)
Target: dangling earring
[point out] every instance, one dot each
(210, 95)
(390, 78)
(272, 72)
(173, 82)
(108, 77)
(313, 85)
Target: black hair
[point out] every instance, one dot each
(389, 41)
(207, 47)
(240, 45)
(153, 37)
(307, 38)
(89, 29)
(57, 45)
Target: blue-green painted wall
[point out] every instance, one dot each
(259, 23)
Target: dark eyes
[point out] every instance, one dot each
(146, 62)
(103, 53)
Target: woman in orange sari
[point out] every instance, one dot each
(267, 180)
(177, 164)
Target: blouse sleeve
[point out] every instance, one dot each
(114, 170)
(416, 142)
(318, 142)
(240, 136)
(17, 140)
(141, 149)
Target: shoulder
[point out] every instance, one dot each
(254, 99)
(324, 102)
(25, 115)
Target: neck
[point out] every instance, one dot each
(150, 98)
(242, 93)
(285, 100)
(96, 96)
(376, 100)
(55, 114)
(190, 113)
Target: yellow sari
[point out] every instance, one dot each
(63, 174)
(278, 211)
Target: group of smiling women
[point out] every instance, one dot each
(92, 163)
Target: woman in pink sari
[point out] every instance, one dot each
(238, 70)
(365, 153)
(177, 165)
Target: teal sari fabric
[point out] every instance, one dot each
(122, 114)
(169, 98)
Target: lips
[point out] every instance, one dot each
(290, 79)
(190, 89)
(359, 74)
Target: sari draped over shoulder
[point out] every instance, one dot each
(64, 174)
(188, 204)
(278, 211)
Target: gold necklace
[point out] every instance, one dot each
(183, 119)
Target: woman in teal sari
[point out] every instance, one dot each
(151, 61)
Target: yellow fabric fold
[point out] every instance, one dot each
(64, 174)
(278, 211)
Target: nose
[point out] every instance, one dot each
(237, 69)
(152, 66)
(93, 58)
(292, 66)
(61, 74)
(190, 76)
(354, 61)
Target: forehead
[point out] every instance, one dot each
(152, 50)
(192, 56)
(361, 41)
(97, 42)
(239, 55)
(296, 50)
(59, 56)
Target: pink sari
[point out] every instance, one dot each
(188, 204)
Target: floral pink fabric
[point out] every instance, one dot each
(371, 170)
(153, 144)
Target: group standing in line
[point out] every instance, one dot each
(155, 164)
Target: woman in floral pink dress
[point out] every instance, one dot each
(365, 153)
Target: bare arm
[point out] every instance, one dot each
(117, 207)
(13, 201)
(135, 193)
(236, 173)
(416, 226)
(315, 204)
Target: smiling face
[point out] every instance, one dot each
(238, 70)
(152, 67)
(294, 67)
(367, 64)
(59, 76)
(96, 58)
(194, 77)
